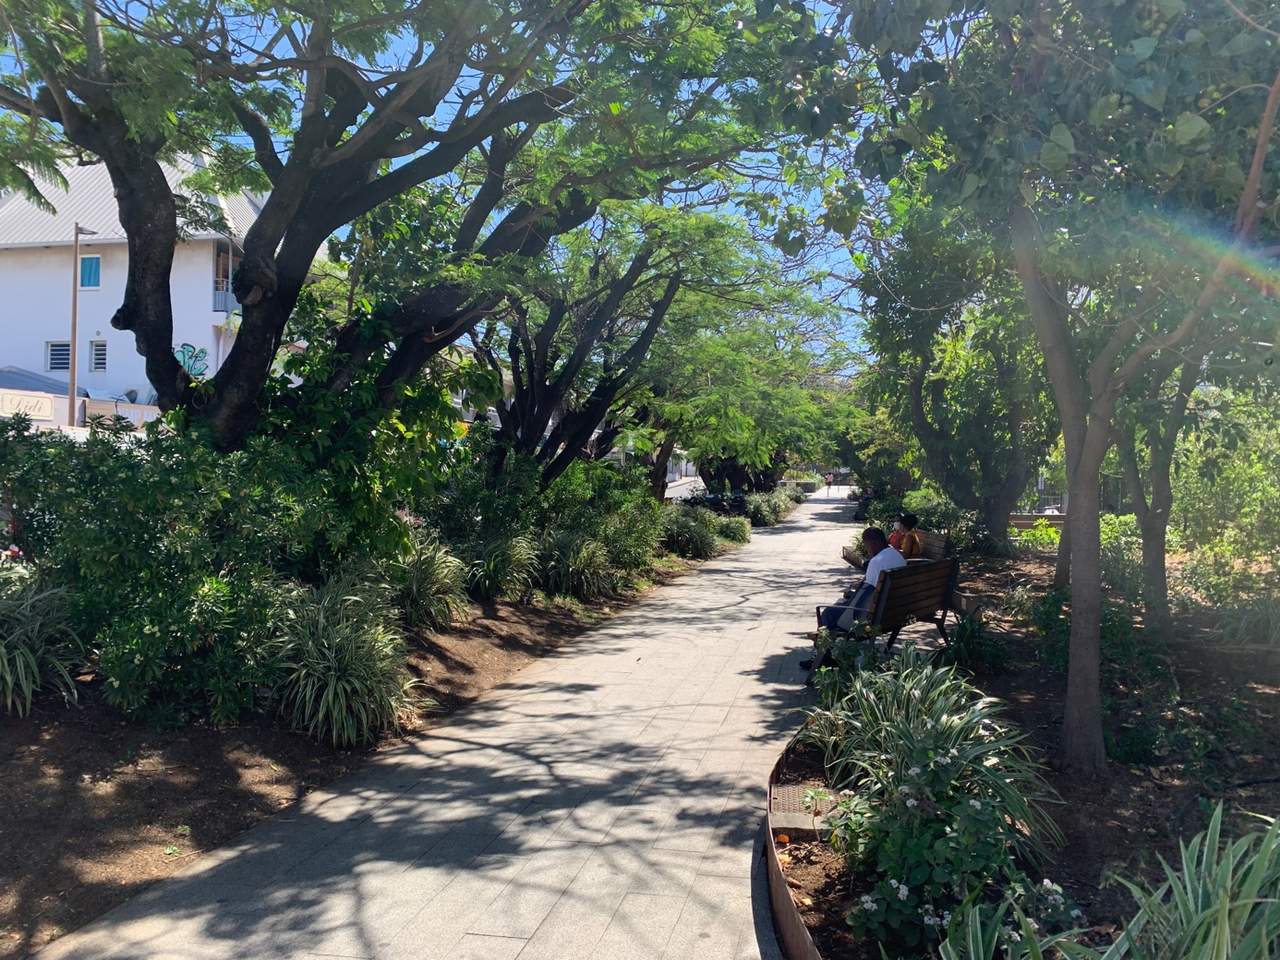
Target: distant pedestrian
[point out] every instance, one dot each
(829, 478)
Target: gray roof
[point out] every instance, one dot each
(16, 378)
(90, 201)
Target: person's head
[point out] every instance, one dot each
(909, 521)
(874, 540)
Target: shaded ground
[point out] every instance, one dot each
(1200, 729)
(96, 807)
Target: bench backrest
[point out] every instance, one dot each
(916, 590)
(934, 546)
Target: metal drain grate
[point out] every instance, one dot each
(787, 811)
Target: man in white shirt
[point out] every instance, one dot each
(857, 600)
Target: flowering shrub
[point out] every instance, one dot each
(941, 801)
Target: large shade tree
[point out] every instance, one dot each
(533, 110)
(1127, 151)
(957, 366)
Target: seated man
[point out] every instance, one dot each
(857, 600)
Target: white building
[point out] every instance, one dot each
(36, 274)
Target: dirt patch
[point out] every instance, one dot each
(1222, 707)
(96, 808)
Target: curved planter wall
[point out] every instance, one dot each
(784, 815)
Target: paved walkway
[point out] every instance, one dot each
(606, 802)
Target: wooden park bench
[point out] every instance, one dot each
(917, 592)
(933, 547)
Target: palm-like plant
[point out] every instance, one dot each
(431, 584)
(38, 645)
(1221, 902)
(341, 662)
(885, 722)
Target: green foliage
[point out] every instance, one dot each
(1040, 536)
(1255, 623)
(733, 529)
(341, 663)
(946, 800)
(576, 566)
(690, 532)
(505, 568)
(1219, 901)
(972, 648)
(430, 583)
(194, 647)
(983, 934)
(1125, 656)
(934, 508)
(768, 509)
(1121, 556)
(39, 649)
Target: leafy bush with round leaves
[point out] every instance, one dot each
(734, 529)
(195, 648)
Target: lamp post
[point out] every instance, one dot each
(75, 306)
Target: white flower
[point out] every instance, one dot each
(912, 803)
(868, 902)
(913, 772)
(976, 804)
(902, 892)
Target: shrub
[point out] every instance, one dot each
(506, 568)
(1042, 535)
(631, 534)
(767, 509)
(971, 647)
(933, 507)
(1123, 655)
(197, 647)
(734, 529)
(796, 494)
(341, 664)
(1121, 561)
(576, 566)
(980, 934)
(430, 583)
(945, 799)
(690, 532)
(38, 647)
(1256, 623)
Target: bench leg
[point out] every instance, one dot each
(941, 624)
(892, 637)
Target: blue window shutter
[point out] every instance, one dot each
(90, 271)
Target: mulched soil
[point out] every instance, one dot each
(1229, 701)
(96, 807)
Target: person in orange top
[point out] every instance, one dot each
(904, 537)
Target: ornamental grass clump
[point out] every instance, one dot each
(690, 532)
(506, 568)
(941, 800)
(430, 583)
(342, 664)
(576, 566)
(38, 646)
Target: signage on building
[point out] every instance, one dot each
(37, 406)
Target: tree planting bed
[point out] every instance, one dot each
(1224, 705)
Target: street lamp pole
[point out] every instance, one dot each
(75, 307)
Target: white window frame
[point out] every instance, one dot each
(93, 356)
(48, 356)
(80, 275)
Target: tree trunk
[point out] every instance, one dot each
(1155, 574)
(658, 468)
(1062, 570)
(1083, 746)
(995, 517)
